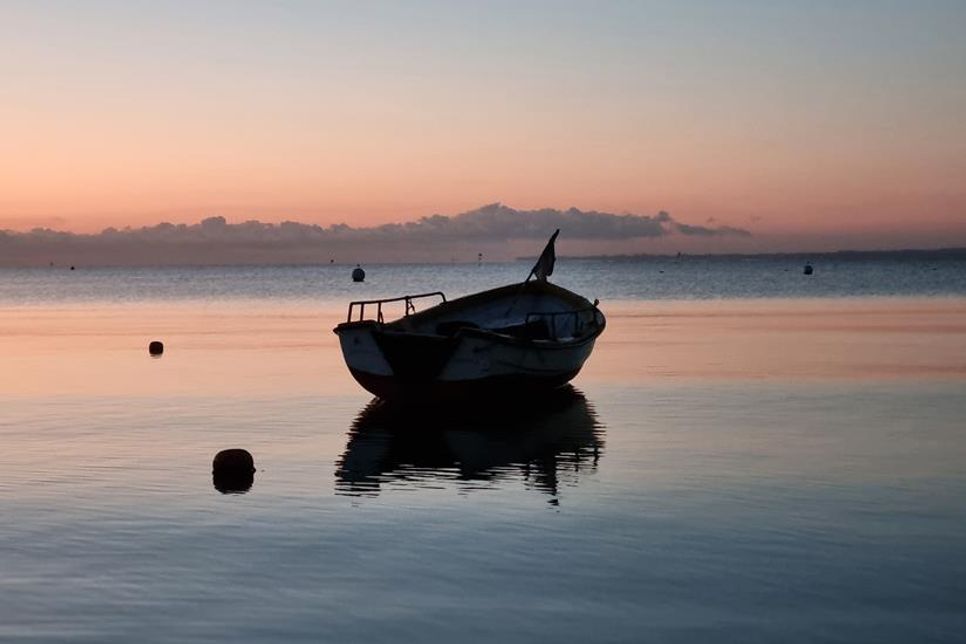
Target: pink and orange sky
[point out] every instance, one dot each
(813, 125)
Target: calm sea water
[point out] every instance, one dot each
(750, 455)
(659, 278)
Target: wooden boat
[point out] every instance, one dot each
(512, 340)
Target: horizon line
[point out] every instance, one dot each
(947, 252)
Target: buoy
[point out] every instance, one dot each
(808, 269)
(71, 268)
(156, 348)
(358, 275)
(233, 471)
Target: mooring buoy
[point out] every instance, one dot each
(233, 471)
(358, 275)
(156, 348)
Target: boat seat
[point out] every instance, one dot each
(533, 330)
(450, 327)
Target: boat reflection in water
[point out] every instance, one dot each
(547, 447)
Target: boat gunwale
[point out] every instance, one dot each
(486, 334)
(519, 288)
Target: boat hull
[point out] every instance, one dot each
(473, 365)
(455, 391)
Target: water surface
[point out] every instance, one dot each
(726, 469)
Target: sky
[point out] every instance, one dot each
(813, 126)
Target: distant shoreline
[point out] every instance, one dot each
(908, 253)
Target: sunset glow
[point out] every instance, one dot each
(814, 126)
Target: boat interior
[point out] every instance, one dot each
(532, 311)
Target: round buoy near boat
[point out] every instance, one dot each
(358, 275)
(808, 270)
(156, 348)
(233, 471)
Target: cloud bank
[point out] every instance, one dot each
(496, 229)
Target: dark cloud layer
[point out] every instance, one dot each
(704, 231)
(215, 241)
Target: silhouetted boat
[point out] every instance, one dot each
(515, 339)
(546, 446)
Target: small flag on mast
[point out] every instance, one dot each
(544, 266)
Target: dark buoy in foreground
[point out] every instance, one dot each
(233, 471)
(156, 348)
(808, 270)
(358, 275)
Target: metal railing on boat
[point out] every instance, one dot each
(407, 299)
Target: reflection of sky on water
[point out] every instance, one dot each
(795, 466)
(777, 461)
(547, 446)
(233, 349)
